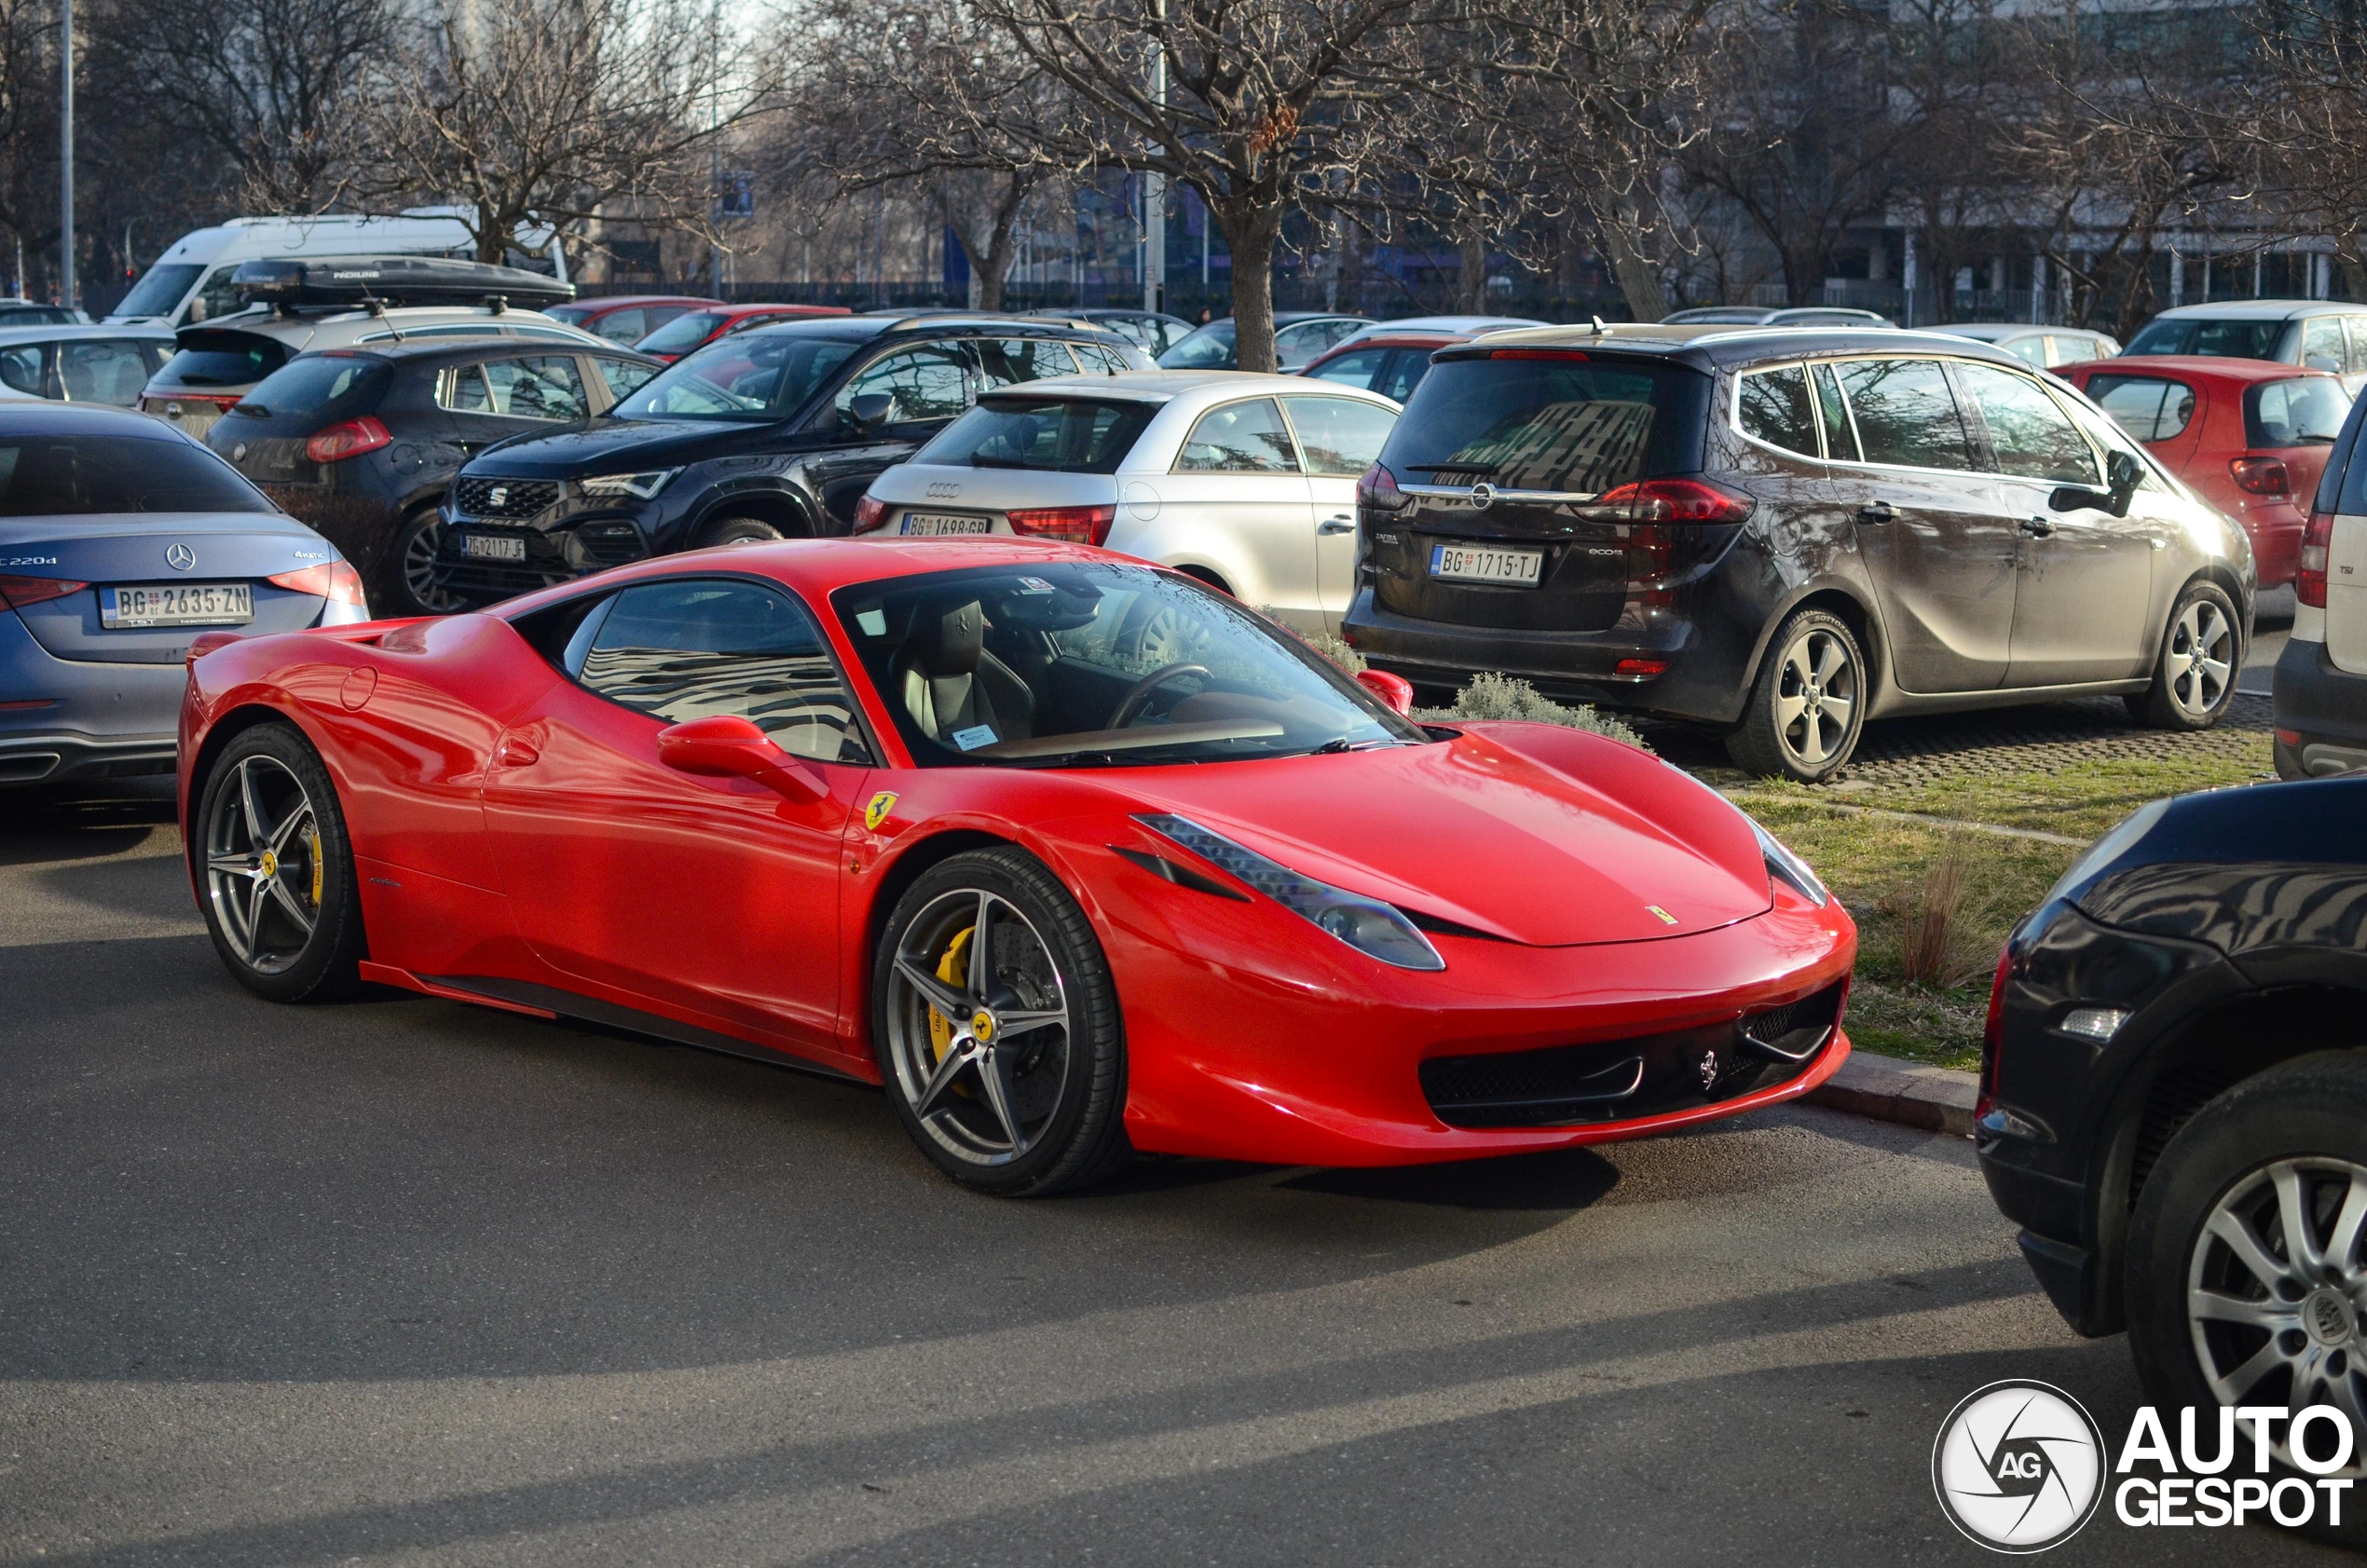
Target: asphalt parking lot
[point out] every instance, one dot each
(398, 1281)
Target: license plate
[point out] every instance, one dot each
(177, 604)
(938, 523)
(1464, 563)
(493, 547)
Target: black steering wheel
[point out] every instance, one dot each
(1138, 696)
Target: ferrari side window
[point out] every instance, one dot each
(701, 648)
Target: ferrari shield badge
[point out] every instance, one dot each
(1666, 918)
(876, 812)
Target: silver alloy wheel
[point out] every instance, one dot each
(263, 865)
(418, 569)
(2276, 1289)
(1815, 696)
(979, 1026)
(2200, 659)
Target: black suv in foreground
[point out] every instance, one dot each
(774, 434)
(2174, 1098)
(1783, 533)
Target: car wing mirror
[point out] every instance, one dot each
(2125, 474)
(870, 411)
(1395, 692)
(729, 746)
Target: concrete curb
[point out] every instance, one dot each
(1935, 1099)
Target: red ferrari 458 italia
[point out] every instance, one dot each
(1071, 854)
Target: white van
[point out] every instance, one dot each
(191, 281)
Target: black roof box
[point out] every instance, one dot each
(394, 281)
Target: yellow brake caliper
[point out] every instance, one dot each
(313, 839)
(953, 969)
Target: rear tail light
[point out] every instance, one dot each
(1678, 500)
(1078, 524)
(2261, 476)
(225, 400)
(1641, 669)
(1378, 490)
(350, 438)
(18, 592)
(2310, 587)
(334, 580)
(869, 512)
(1991, 1032)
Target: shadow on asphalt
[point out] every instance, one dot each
(39, 827)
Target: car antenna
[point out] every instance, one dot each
(378, 308)
(1599, 328)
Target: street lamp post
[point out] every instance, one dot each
(66, 154)
(1154, 186)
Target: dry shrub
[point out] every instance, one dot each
(1944, 940)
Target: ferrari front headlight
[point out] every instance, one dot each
(1372, 928)
(1782, 863)
(640, 486)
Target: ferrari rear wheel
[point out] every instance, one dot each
(997, 1027)
(278, 869)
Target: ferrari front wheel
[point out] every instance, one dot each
(996, 1026)
(278, 869)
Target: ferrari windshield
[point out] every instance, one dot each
(755, 376)
(1096, 663)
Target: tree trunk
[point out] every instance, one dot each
(1638, 273)
(1471, 274)
(990, 251)
(1249, 235)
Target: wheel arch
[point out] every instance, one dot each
(2198, 1060)
(779, 507)
(1841, 599)
(219, 734)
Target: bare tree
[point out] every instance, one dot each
(1261, 107)
(534, 112)
(275, 87)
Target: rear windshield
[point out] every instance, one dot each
(1571, 425)
(223, 359)
(2232, 340)
(340, 385)
(1056, 435)
(2306, 410)
(63, 476)
(682, 333)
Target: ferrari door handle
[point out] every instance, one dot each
(2037, 527)
(1877, 511)
(515, 753)
(1343, 524)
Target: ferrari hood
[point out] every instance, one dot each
(1603, 844)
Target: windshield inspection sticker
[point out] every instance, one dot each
(977, 735)
(1036, 585)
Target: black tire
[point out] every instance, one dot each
(736, 530)
(408, 578)
(2313, 1111)
(1789, 730)
(277, 869)
(2185, 693)
(1056, 1119)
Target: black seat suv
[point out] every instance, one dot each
(774, 434)
(1781, 533)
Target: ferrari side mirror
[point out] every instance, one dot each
(729, 746)
(1395, 692)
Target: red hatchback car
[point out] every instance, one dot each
(627, 318)
(700, 328)
(1069, 853)
(2249, 436)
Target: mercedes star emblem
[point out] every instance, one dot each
(180, 557)
(1482, 495)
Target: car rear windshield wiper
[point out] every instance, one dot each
(1454, 467)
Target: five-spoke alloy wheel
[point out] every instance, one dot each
(278, 874)
(2194, 675)
(1809, 703)
(996, 1026)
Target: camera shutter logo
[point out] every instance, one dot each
(180, 557)
(2019, 1466)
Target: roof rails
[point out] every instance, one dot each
(349, 280)
(941, 316)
